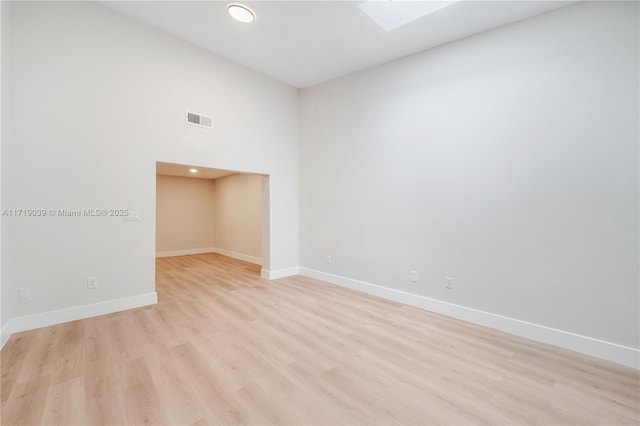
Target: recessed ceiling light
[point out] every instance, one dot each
(241, 13)
(193, 170)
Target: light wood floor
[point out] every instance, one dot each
(224, 346)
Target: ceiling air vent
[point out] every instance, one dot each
(199, 120)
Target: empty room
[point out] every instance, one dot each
(320, 212)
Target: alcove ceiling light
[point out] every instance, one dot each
(241, 13)
(193, 171)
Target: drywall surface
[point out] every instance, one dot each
(184, 213)
(238, 214)
(96, 100)
(507, 161)
(4, 132)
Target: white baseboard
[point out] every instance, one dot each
(241, 256)
(279, 273)
(575, 342)
(234, 254)
(185, 252)
(29, 322)
(5, 333)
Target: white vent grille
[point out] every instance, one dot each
(199, 120)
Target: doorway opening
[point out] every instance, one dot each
(205, 210)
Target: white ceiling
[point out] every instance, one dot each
(303, 43)
(170, 169)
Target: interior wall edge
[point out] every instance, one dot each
(619, 354)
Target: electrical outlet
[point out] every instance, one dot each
(328, 260)
(92, 283)
(449, 281)
(414, 276)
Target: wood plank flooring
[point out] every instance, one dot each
(224, 346)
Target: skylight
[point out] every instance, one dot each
(391, 14)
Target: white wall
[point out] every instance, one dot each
(4, 132)
(238, 214)
(508, 161)
(109, 97)
(185, 210)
